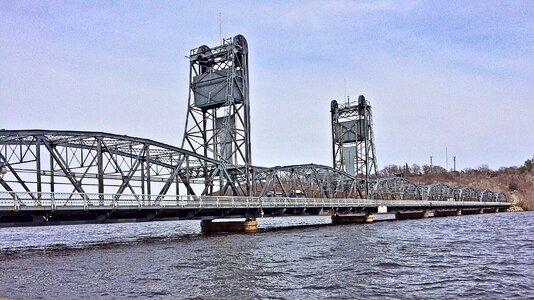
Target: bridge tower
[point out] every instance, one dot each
(353, 139)
(218, 115)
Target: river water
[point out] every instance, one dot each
(489, 256)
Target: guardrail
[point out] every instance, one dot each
(10, 201)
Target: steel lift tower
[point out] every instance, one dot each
(218, 116)
(353, 140)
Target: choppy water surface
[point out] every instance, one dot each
(488, 256)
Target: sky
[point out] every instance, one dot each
(455, 75)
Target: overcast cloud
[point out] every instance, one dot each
(438, 74)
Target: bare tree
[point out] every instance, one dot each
(416, 169)
(390, 170)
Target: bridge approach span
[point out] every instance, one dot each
(96, 162)
(57, 208)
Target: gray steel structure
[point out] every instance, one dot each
(218, 116)
(399, 188)
(97, 162)
(51, 177)
(353, 148)
(78, 162)
(79, 172)
(307, 180)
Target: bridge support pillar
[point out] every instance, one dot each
(447, 213)
(404, 215)
(38, 219)
(470, 211)
(101, 217)
(151, 216)
(249, 225)
(351, 219)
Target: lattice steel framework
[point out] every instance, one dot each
(308, 180)
(81, 163)
(399, 188)
(218, 116)
(96, 162)
(353, 139)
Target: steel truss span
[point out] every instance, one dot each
(94, 162)
(398, 188)
(318, 181)
(308, 180)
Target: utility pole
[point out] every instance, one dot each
(431, 166)
(446, 159)
(454, 159)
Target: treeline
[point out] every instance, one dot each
(417, 170)
(516, 182)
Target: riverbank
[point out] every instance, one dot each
(518, 185)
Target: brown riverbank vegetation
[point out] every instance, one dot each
(516, 182)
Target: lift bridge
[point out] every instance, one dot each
(50, 177)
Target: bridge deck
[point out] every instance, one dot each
(22, 201)
(24, 208)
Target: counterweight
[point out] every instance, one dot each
(353, 146)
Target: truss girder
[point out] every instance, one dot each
(308, 180)
(97, 162)
(399, 188)
(86, 162)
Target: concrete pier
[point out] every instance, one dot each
(352, 219)
(471, 211)
(404, 215)
(247, 226)
(447, 213)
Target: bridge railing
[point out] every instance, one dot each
(95, 201)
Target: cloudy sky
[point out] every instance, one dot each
(438, 74)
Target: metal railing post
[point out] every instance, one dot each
(85, 202)
(53, 200)
(16, 202)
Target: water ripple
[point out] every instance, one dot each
(487, 256)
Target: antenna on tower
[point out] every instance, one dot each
(344, 89)
(220, 28)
